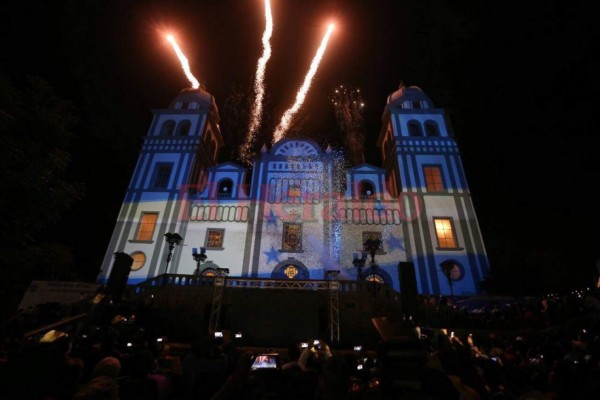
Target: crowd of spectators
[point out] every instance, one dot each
(551, 350)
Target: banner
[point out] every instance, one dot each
(40, 292)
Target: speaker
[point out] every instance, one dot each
(119, 274)
(408, 287)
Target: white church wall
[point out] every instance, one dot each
(230, 255)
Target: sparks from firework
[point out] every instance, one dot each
(349, 105)
(259, 85)
(287, 117)
(338, 173)
(185, 65)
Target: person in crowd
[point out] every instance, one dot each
(99, 388)
(108, 366)
(229, 349)
(204, 370)
(144, 382)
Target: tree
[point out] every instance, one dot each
(35, 135)
(447, 267)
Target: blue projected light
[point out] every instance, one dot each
(272, 255)
(271, 218)
(395, 243)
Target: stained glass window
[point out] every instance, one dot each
(374, 278)
(292, 237)
(372, 237)
(214, 238)
(291, 271)
(209, 272)
(294, 191)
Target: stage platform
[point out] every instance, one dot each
(268, 312)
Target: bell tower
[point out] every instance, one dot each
(182, 142)
(424, 170)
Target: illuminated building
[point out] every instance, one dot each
(302, 214)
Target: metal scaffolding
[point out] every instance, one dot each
(215, 312)
(332, 285)
(334, 311)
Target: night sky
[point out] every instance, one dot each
(520, 86)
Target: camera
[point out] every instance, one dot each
(357, 348)
(218, 334)
(238, 335)
(304, 345)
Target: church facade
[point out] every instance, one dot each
(304, 212)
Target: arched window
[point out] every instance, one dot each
(374, 278)
(225, 189)
(184, 128)
(431, 128)
(167, 128)
(209, 272)
(414, 128)
(366, 190)
(377, 275)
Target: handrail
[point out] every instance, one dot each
(183, 280)
(55, 325)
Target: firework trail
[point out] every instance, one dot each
(286, 119)
(259, 86)
(185, 65)
(349, 105)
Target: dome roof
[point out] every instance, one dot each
(408, 93)
(200, 96)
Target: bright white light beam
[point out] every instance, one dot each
(259, 87)
(287, 117)
(185, 65)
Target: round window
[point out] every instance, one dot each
(139, 259)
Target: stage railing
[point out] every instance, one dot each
(181, 280)
(177, 280)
